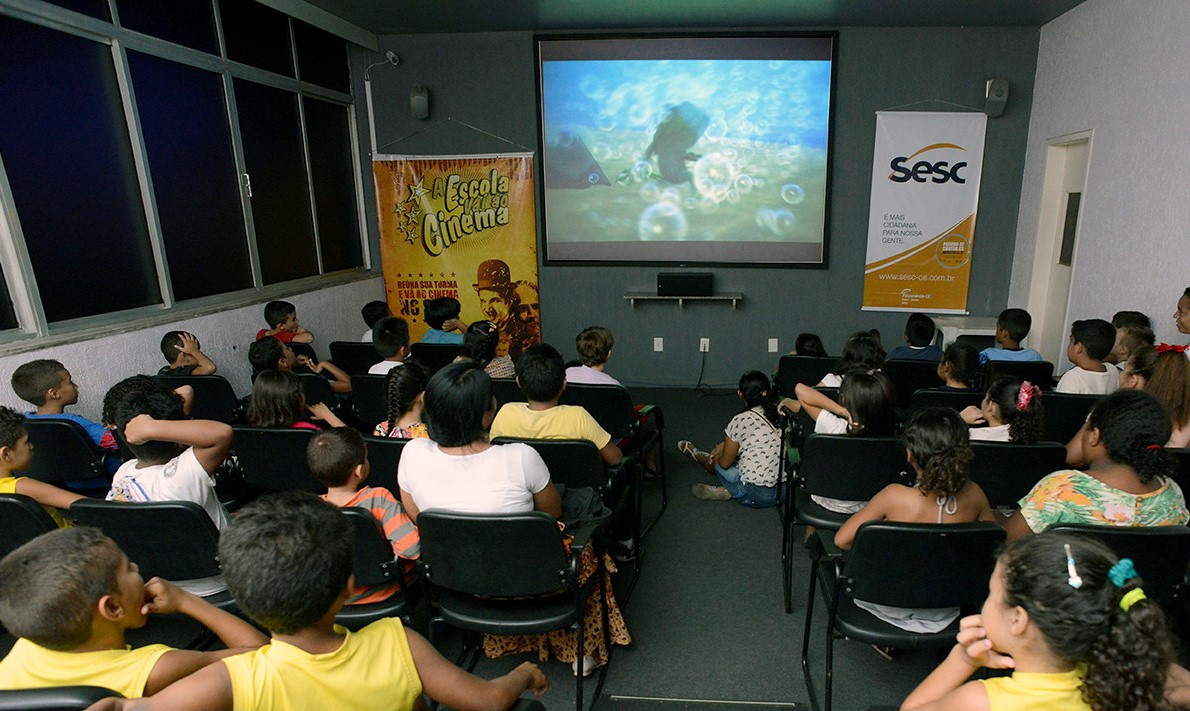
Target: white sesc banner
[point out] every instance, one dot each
(925, 191)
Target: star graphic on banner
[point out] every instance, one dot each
(417, 189)
(414, 213)
(452, 274)
(410, 236)
(420, 275)
(400, 208)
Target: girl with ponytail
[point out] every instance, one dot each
(1128, 480)
(1071, 621)
(404, 395)
(1012, 411)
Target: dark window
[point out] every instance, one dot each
(257, 36)
(329, 138)
(195, 182)
(185, 22)
(94, 8)
(280, 200)
(66, 150)
(8, 317)
(322, 57)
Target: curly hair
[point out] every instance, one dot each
(593, 344)
(401, 389)
(1127, 653)
(1170, 384)
(1134, 428)
(1025, 426)
(938, 440)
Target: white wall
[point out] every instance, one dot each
(332, 314)
(1117, 69)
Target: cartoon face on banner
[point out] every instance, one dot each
(464, 228)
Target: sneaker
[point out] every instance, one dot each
(710, 493)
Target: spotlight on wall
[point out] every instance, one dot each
(419, 101)
(392, 57)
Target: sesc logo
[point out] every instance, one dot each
(923, 170)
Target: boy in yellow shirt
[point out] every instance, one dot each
(15, 454)
(71, 594)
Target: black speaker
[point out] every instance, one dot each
(685, 283)
(419, 101)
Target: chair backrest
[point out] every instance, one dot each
(1161, 553)
(384, 454)
(21, 519)
(54, 698)
(945, 397)
(922, 565)
(317, 389)
(909, 376)
(275, 459)
(353, 357)
(852, 468)
(369, 396)
(214, 398)
(435, 355)
(62, 451)
(804, 425)
(809, 370)
(1007, 472)
(572, 462)
(1065, 413)
(1038, 372)
(373, 562)
(976, 341)
(175, 540)
(505, 390)
(498, 555)
(610, 405)
(304, 349)
(1182, 455)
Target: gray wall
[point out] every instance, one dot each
(488, 81)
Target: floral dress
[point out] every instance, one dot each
(1070, 496)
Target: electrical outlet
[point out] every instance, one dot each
(704, 345)
(658, 345)
(772, 345)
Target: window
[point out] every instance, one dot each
(257, 36)
(322, 57)
(186, 22)
(329, 136)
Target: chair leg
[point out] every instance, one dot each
(806, 633)
(578, 683)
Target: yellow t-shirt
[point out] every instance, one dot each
(1024, 691)
(8, 485)
(30, 666)
(515, 419)
(372, 669)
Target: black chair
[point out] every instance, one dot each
(901, 565)
(1038, 372)
(63, 452)
(1182, 455)
(1065, 414)
(572, 462)
(909, 376)
(353, 357)
(317, 389)
(435, 355)
(305, 349)
(369, 397)
(22, 519)
(384, 454)
(1161, 554)
(374, 564)
(274, 459)
(1007, 472)
(213, 397)
(945, 397)
(979, 343)
(507, 574)
(792, 370)
(506, 390)
(55, 698)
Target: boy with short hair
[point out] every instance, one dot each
(541, 377)
(70, 595)
(15, 454)
(372, 312)
(1011, 328)
(442, 316)
(1128, 339)
(594, 346)
(273, 354)
(338, 458)
(391, 339)
(311, 662)
(1090, 342)
(919, 337)
(281, 316)
(47, 385)
(184, 354)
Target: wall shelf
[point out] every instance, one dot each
(635, 296)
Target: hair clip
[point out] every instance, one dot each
(1168, 348)
(1122, 572)
(1153, 446)
(1132, 597)
(1025, 395)
(1073, 581)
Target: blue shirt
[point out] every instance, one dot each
(435, 335)
(930, 353)
(1005, 354)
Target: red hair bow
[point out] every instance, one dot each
(1027, 392)
(1168, 348)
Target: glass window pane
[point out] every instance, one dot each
(257, 36)
(184, 121)
(272, 139)
(8, 316)
(322, 57)
(334, 185)
(186, 22)
(94, 8)
(66, 150)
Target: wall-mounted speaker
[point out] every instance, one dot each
(996, 97)
(419, 101)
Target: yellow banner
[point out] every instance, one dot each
(933, 275)
(463, 227)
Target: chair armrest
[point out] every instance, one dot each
(654, 411)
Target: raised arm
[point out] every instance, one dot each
(815, 402)
(342, 382)
(453, 687)
(190, 346)
(211, 440)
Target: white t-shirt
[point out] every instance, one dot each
(586, 375)
(759, 458)
(384, 366)
(180, 479)
(999, 433)
(1083, 382)
(500, 479)
(367, 336)
(830, 380)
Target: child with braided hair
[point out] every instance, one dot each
(1012, 411)
(1072, 623)
(405, 399)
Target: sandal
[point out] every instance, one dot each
(687, 447)
(589, 666)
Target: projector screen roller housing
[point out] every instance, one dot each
(686, 149)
